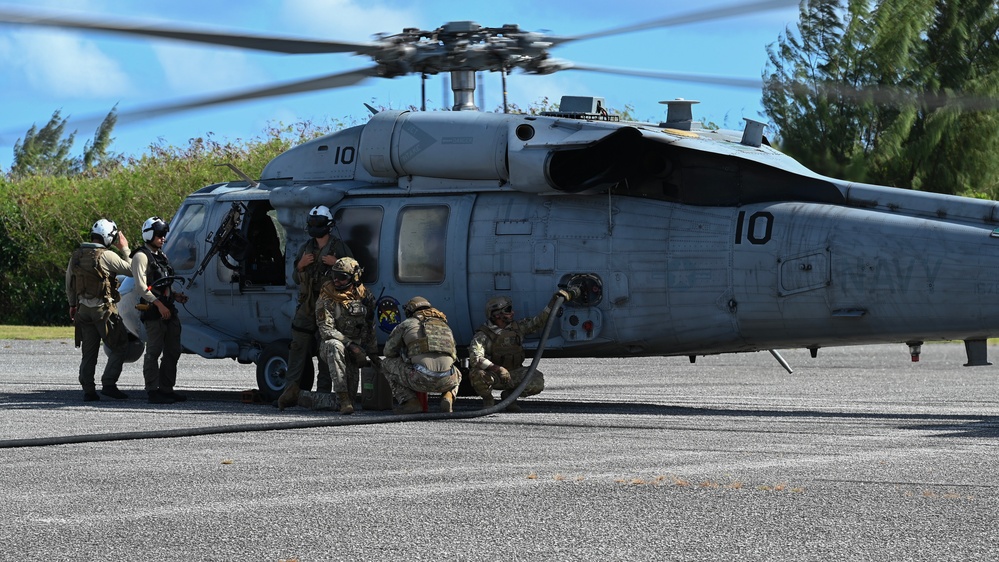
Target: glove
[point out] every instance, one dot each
(72, 313)
(502, 375)
(360, 357)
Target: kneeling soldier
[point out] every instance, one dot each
(420, 356)
(496, 354)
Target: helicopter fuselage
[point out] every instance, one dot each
(685, 243)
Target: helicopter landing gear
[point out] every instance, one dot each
(272, 367)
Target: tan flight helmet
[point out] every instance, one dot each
(497, 304)
(415, 304)
(347, 268)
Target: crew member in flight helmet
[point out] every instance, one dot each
(345, 315)
(312, 267)
(496, 354)
(420, 356)
(92, 291)
(152, 271)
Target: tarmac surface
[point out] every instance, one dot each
(859, 454)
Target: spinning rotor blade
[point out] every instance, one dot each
(750, 83)
(694, 17)
(243, 40)
(878, 95)
(329, 82)
(894, 97)
(298, 87)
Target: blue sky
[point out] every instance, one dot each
(86, 73)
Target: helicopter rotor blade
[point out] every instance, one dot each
(894, 97)
(693, 17)
(287, 45)
(328, 82)
(878, 95)
(749, 83)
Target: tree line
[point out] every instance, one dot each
(897, 92)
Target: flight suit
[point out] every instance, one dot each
(92, 287)
(163, 337)
(304, 341)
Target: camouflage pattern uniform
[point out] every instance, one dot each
(343, 318)
(92, 288)
(420, 356)
(504, 347)
(304, 343)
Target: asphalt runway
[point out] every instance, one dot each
(859, 454)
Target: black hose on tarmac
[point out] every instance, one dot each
(301, 424)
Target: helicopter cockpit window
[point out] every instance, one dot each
(360, 228)
(420, 252)
(181, 246)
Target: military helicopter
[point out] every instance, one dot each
(684, 241)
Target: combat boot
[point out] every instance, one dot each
(447, 402)
(513, 407)
(289, 397)
(411, 406)
(322, 401)
(488, 401)
(346, 404)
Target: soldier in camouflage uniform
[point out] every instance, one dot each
(496, 354)
(345, 316)
(312, 264)
(92, 291)
(420, 356)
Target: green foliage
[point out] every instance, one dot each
(95, 154)
(43, 217)
(871, 92)
(44, 151)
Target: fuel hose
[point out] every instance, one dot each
(300, 424)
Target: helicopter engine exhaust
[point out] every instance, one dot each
(618, 156)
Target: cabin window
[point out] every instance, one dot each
(265, 246)
(181, 246)
(360, 228)
(421, 243)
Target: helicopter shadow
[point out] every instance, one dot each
(55, 399)
(953, 425)
(211, 402)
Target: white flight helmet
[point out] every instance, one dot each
(154, 226)
(107, 230)
(320, 221)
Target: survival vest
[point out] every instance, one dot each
(90, 280)
(158, 267)
(313, 277)
(506, 349)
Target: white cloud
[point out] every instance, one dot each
(346, 20)
(191, 70)
(62, 64)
